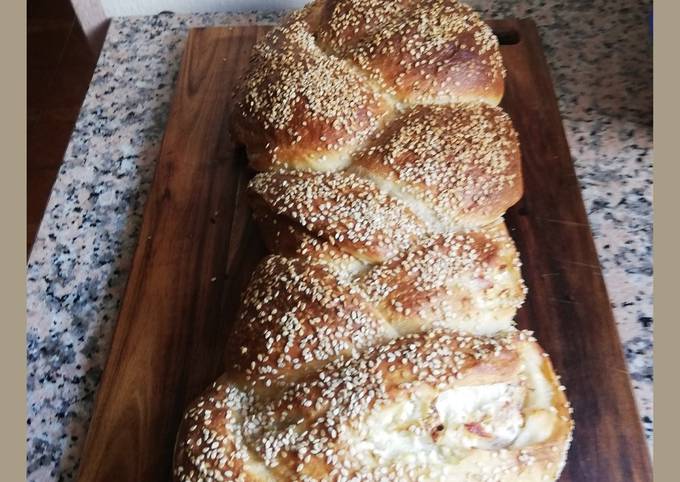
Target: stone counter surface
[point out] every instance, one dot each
(600, 57)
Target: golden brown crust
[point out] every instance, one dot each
(444, 168)
(322, 427)
(281, 235)
(347, 211)
(289, 112)
(363, 350)
(430, 51)
(301, 312)
(285, 237)
(462, 163)
(326, 79)
(297, 315)
(470, 282)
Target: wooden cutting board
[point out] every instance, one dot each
(198, 246)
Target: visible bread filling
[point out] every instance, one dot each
(441, 429)
(485, 416)
(421, 430)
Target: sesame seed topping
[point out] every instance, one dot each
(322, 426)
(377, 342)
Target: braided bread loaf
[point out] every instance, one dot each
(376, 342)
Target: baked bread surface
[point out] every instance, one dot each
(333, 73)
(436, 405)
(376, 342)
(299, 313)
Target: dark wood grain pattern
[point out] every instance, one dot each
(195, 249)
(567, 306)
(198, 247)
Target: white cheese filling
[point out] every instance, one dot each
(486, 417)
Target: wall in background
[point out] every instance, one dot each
(118, 8)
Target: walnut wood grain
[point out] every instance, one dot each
(198, 246)
(194, 250)
(567, 305)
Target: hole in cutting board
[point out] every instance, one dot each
(507, 37)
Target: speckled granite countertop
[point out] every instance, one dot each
(600, 56)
